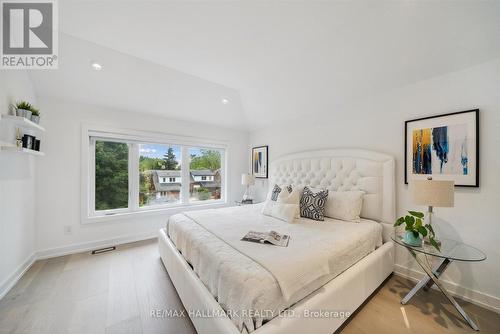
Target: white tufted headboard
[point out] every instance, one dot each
(342, 170)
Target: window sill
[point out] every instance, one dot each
(171, 210)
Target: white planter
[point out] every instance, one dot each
(35, 119)
(22, 112)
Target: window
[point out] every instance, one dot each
(130, 174)
(159, 162)
(111, 175)
(205, 169)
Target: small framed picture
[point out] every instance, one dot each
(28, 142)
(444, 147)
(259, 162)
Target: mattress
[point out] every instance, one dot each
(249, 291)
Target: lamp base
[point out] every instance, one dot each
(426, 239)
(246, 195)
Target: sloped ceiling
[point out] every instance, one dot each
(273, 59)
(134, 84)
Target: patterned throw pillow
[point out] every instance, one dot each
(312, 203)
(276, 191)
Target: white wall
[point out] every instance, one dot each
(377, 123)
(17, 188)
(58, 173)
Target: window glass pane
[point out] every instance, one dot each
(111, 175)
(159, 174)
(205, 174)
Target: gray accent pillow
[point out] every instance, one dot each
(276, 191)
(312, 203)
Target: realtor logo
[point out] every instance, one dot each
(29, 38)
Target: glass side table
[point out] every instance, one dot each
(451, 250)
(240, 203)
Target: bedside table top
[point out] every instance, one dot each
(450, 249)
(244, 203)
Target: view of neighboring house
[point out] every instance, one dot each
(167, 184)
(204, 184)
(207, 181)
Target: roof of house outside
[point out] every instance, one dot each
(177, 173)
(202, 172)
(167, 186)
(168, 173)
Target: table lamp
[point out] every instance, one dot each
(247, 180)
(433, 193)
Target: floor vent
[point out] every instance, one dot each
(103, 250)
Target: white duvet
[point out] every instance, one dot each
(254, 282)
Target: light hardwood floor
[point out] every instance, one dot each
(115, 293)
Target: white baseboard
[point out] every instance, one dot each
(479, 298)
(9, 283)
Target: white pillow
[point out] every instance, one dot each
(290, 198)
(344, 205)
(281, 211)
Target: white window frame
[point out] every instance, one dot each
(133, 137)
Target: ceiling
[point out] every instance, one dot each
(134, 84)
(272, 59)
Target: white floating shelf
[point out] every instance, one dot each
(22, 122)
(13, 148)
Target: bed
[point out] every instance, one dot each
(328, 270)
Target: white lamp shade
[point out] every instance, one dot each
(247, 179)
(433, 192)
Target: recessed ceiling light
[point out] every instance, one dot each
(96, 66)
(225, 101)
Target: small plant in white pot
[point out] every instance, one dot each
(23, 109)
(35, 115)
(415, 230)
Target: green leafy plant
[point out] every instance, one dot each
(415, 224)
(35, 111)
(24, 105)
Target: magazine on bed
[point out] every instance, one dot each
(271, 237)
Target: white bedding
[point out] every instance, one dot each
(263, 280)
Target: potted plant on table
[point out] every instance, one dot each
(23, 109)
(415, 229)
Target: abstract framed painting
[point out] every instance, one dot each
(259, 162)
(444, 147)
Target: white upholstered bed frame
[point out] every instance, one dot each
(336, 170)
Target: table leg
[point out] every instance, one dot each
(415, 289)
(426, 282)
(435, 279)
(437, 270)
